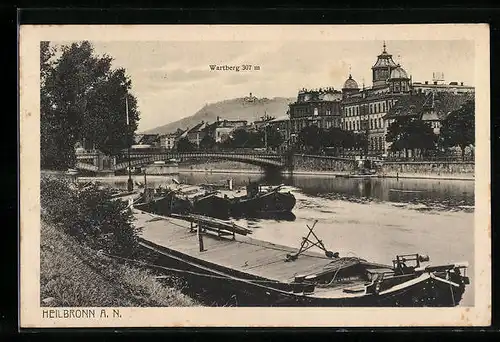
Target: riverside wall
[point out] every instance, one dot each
(322, 163)
(310, 163)
(429, 168)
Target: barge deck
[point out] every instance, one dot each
(257, 258)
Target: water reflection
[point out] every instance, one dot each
(428, 191)
(441, 193)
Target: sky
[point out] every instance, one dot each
(173, 79)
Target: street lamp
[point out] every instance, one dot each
(130, 183)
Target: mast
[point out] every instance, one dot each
(130, 183)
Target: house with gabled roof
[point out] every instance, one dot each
(197, 133)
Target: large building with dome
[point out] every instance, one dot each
(365, 110)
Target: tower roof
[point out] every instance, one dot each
(350, 83)
(399, 73)
(384, 60)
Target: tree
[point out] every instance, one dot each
(274, 138)
(82, 100)
(184, 145)
(413, 134)
(360, 141)
(207, 143)
(397, 134)
(310, 137)
(240, 138)
(334, 137)
(56, 143)
(421, 136)
(458, 128)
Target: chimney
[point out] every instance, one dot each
(218, 118)
(426, 82)
(461, 83)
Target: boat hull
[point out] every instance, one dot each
(168, 204)
(212, 205)
(229, 287)
(274, 202)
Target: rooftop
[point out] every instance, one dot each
(432, 105)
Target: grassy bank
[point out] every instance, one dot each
(81, 227)
(72, 274)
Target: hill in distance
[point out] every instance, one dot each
(246, 108)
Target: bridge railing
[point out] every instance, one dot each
(144, 157)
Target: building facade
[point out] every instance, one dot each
(363, 110)
(366, 110)
(221, 129)
(197, 133)
(371, 110)
(282, 126)
(169, 141)
(320, 107)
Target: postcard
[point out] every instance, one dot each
(254, 176)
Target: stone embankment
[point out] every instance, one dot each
(324, 165)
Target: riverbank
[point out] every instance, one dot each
(72, 274)
(82, 232)
(332, 174)
(140, 178)
(315, 169)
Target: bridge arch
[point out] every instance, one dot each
(140, 158)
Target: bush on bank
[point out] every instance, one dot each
(77, 222)
(73, 274)
(88, 213)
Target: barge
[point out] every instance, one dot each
(269, 274)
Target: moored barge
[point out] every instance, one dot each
(275, 275)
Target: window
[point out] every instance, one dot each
(383, 106)
(378, 106)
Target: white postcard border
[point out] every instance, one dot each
(30, 310)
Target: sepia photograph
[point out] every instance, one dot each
(225, 176)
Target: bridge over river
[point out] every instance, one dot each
(99, 163)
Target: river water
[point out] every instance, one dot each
(375, 219)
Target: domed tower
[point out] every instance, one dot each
(350, 86)
(399, 82)
(382, 68)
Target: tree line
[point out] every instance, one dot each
(82, 99)
(413, 134)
